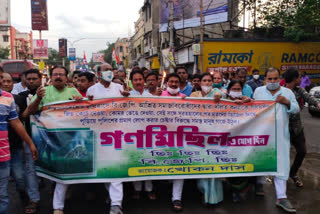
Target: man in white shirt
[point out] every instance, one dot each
(21, 86)
(106, 89)
(137, 79)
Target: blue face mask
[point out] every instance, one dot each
(220, 85)
(273, 86)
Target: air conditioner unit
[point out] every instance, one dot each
(154, 50)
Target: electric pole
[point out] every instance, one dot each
(201, 35)
(171, 25)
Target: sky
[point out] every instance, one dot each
(97, 22)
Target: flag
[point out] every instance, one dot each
(115, 59)
(85, 63)
(85, 59)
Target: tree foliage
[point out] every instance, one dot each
(4, 53)
(108, 53)
(55, 59)
(300, 19)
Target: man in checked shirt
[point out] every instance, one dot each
(297, 138)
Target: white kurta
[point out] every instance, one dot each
(282, 111)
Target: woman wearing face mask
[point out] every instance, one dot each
(234, 92)
(211, 188)
(240, 186)
(206, 81)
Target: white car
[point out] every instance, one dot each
(313, 110)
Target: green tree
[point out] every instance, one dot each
(55, 59)
(108, 53)
(300, 19)
(4, 53)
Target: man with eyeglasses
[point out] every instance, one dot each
(58, 91)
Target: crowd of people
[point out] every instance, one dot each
(19, 101)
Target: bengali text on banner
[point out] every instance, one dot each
(129, 139)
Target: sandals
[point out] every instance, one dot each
(31, 208)
(297, 181)
(177, 206)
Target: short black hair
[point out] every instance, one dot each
(239, 70)
(180, 67)
(33, 71)
(59, 66)
(206, 74)
(233, 82)
(291, 74)
(226, 74)
(88, 75)
(173, 75)
(1, 69)
(152, 74)
(196, 76)
(136, 71)
(144, 68)
(76, 72)
(272, 69)
(255, 70)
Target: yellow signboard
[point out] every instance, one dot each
(228, 56)
(42, 66)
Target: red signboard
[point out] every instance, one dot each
(39, 14)
(40, 49)
(63, 48)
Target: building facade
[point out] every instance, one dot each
(19, 44)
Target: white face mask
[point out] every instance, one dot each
(107, 76)
(273, 86)
(206, 89)
(173, 91)
(235, 94)
(256, 77)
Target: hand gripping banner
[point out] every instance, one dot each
(130, 139)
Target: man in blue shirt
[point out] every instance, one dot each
(241, 74)
(255, 82)
(185, 87)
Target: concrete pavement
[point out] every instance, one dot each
(306, 199)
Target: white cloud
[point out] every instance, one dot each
(99, 21)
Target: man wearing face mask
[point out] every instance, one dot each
(173, 87)
(288, 105)
(255, 82)
(105, 88)
(173, 90)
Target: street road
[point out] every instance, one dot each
(306, 199)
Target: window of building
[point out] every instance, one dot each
(6, 38)
(121, 49)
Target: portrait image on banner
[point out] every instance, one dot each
(40, 49)
(187, 13)
(4, 12)
(130, 139)
(39, 15)
(98, 57)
